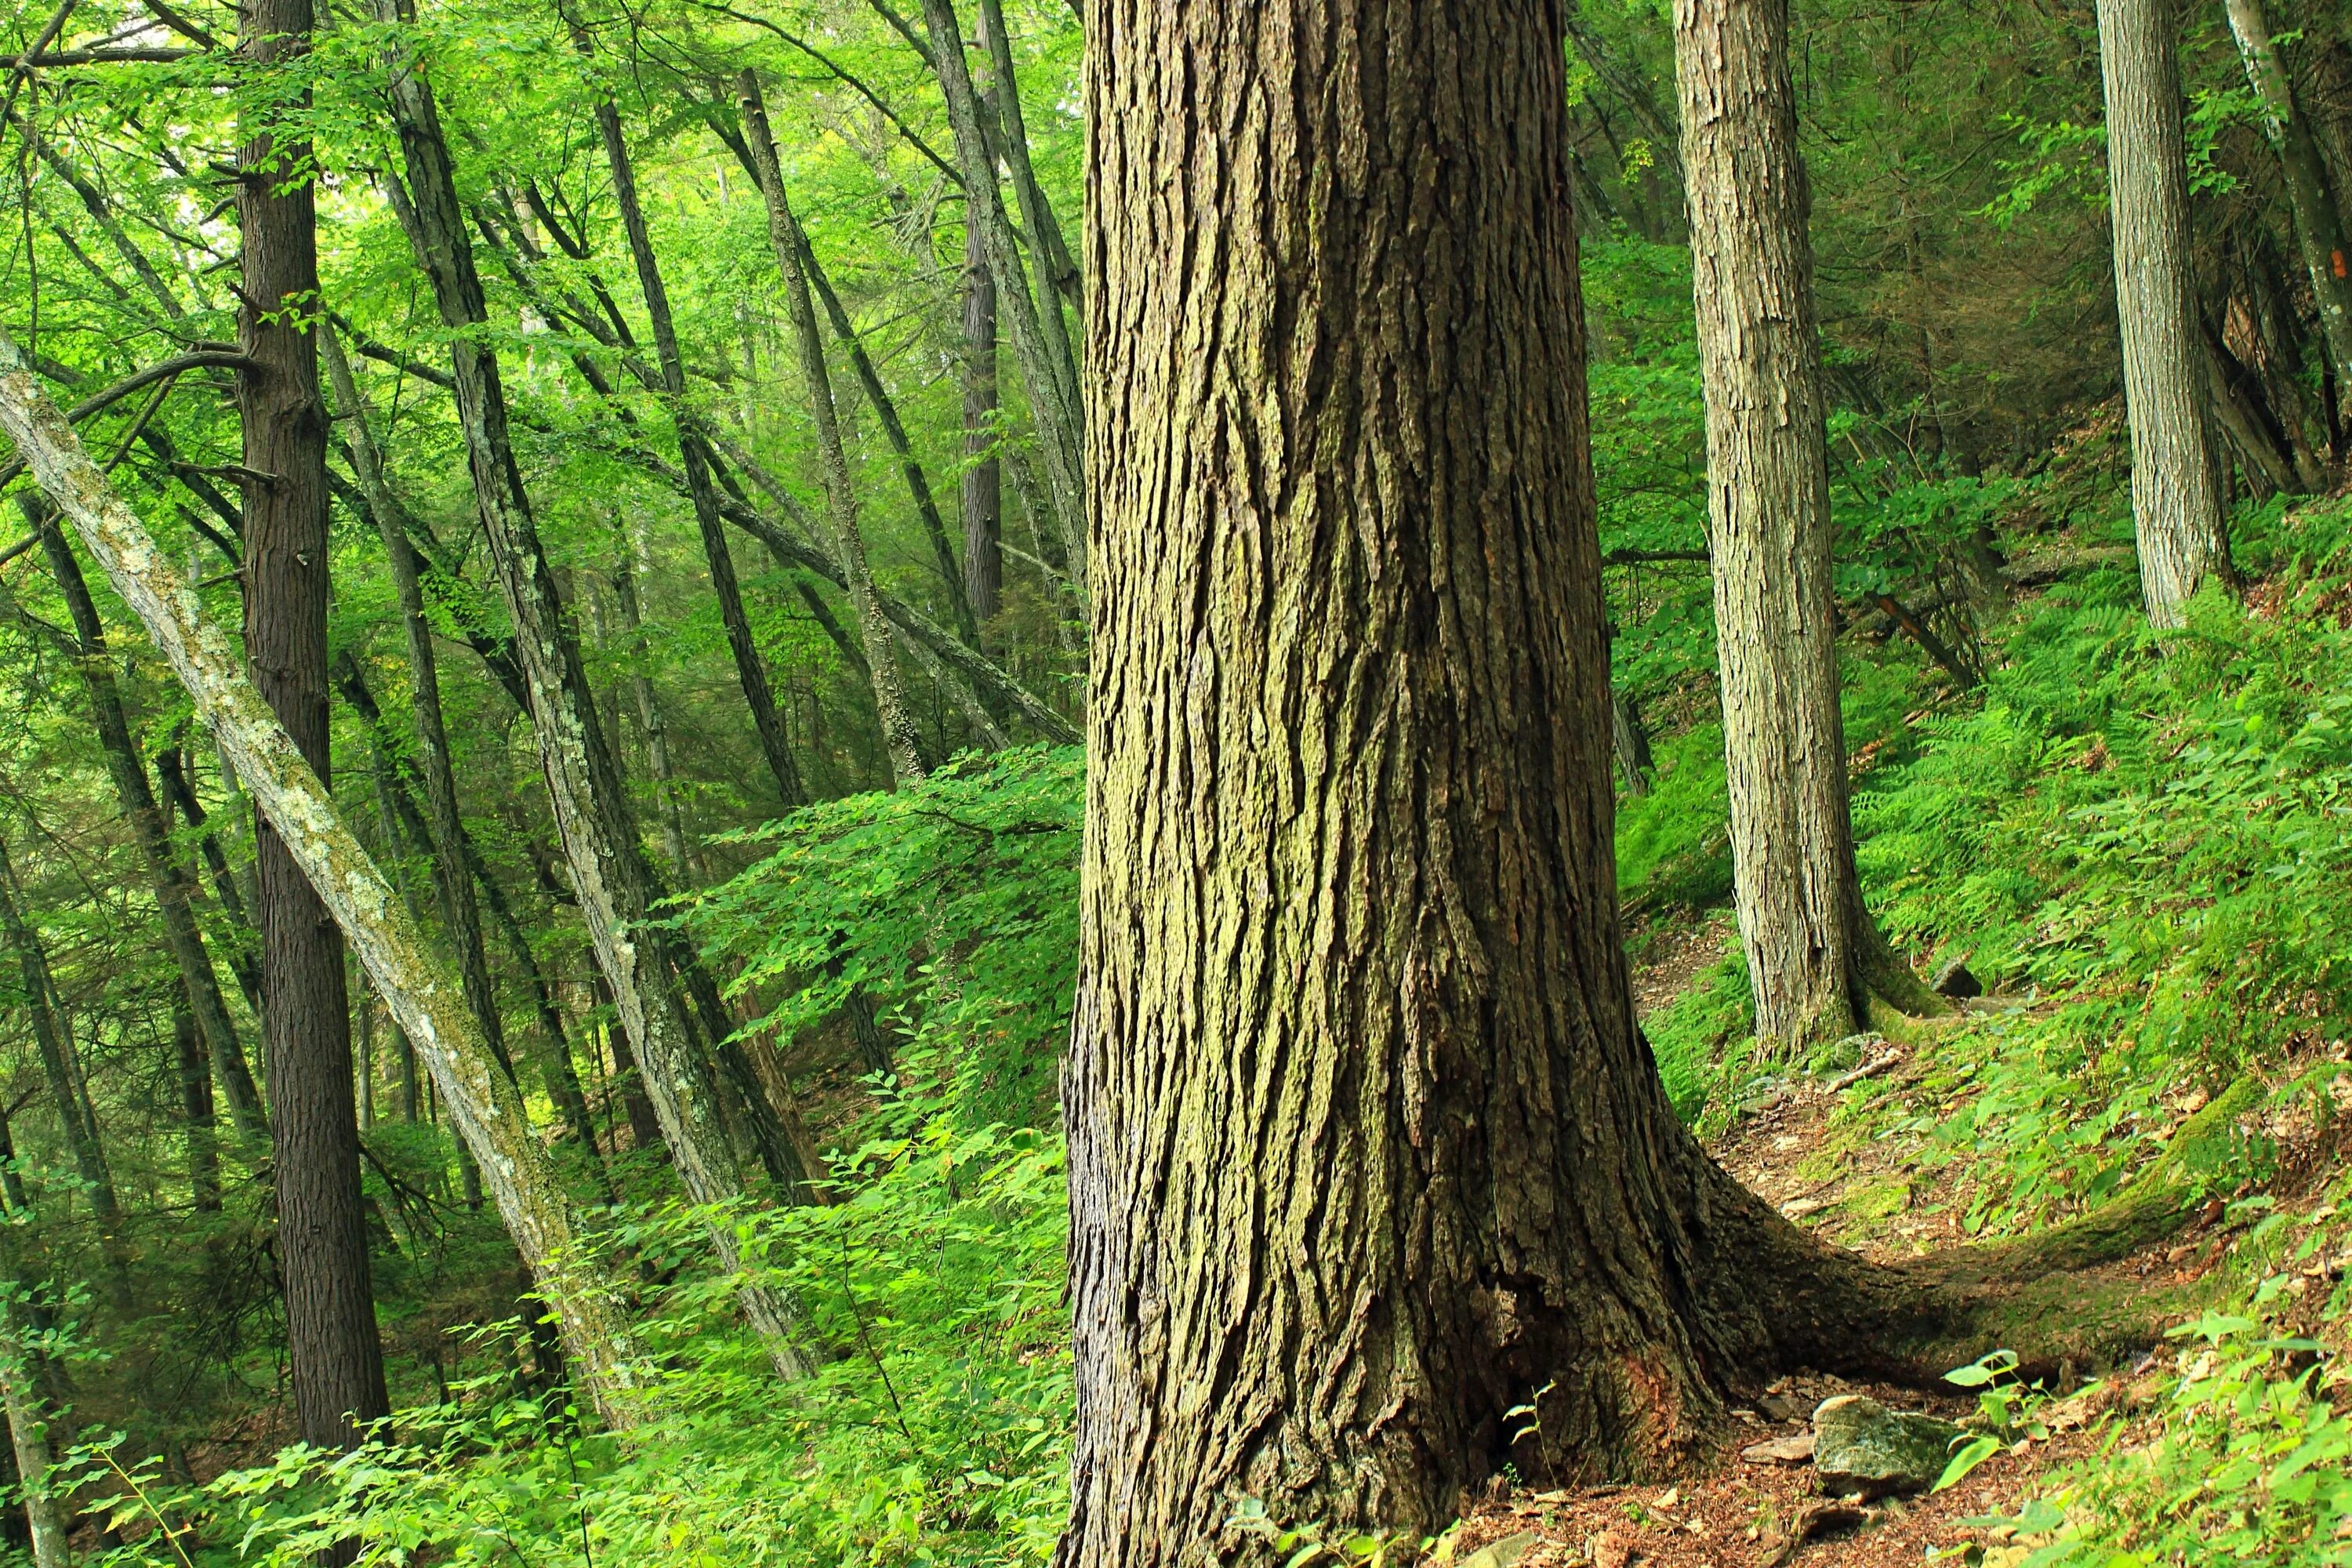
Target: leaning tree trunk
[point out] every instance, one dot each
(548, 1228)
(615, 886)
(136, 797)
(1365, 1148)
(30, 1437)
(899, 732)
(1813, 956)
(2176, 483)
(334, 1354)
(2319, 224)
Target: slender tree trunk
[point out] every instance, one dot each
(335, 1356)
(196, 1106)
(397, 809)
(1813, 955)
(53, 1048)
(171, 772)
(615, 886)
(28, 1434)
(1040, 338)
(1632, 743)
(634, 562)
(898, 730)
(2318, 225)
(2176, 491)
(1001, 108)
(1366, 1152)
(546, 1226)
(983, 483)
(694, 457)
(452, 878)
(137, 800)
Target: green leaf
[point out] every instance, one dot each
(1975, 1452)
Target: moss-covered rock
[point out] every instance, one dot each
(1861, 1445)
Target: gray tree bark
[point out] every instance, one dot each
(2176, 487)
(1813, 954)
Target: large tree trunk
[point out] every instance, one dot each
(615, 886)
(1365, 1148)
(1813, 953)
(899, 732)
(546, 1226)
(2176, 483)
(334, 1353)
(2318, 227)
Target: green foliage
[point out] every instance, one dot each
(937, 1431)
(953, 905)
(2147, 831)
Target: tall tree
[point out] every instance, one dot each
(1815, 956)
(899, 732)
(334, 1353)
(2176, 480)
(615, 886)
(983, 481)
(1365, 1148)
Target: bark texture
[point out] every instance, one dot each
(334, 1356)
(1813, 953)
(984, 481)
(547, 1227)
(1365, 1148)
(2176, 482)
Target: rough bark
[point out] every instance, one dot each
(1365, 1148)
(2318, 225)
(984, 481)
(546, 1226)
(1812, 953)
(2176, 487)
(615, 886)
(334, 1354)
(137, 800)
(899, 731)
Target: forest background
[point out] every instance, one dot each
(801, 452)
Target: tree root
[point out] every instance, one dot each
(1910, 1323)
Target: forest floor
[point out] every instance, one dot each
(1746, 1507)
